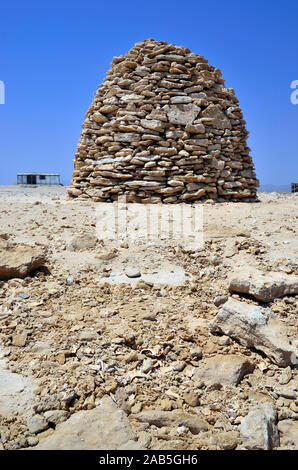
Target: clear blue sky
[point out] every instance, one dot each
(54, 54)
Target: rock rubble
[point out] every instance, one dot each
(70, 335)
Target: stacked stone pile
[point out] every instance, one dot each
(163, 128)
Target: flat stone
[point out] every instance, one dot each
(223, 370)
(153, 124)
(195, 128)
(285, 376)
(180, 100)
(20, 260)
(289, 391)
(256, 327)
(98, 117)
(16, 393)
(131, 98)
(19, 339)
(108, 108)
(196, 194)
(258, 428)
(126, 137)
(288, 433)
(88, 335)
(105, 427)
(144, 184)
(226, 440)
(171, 58)
(182, 113)
(173, 418)
(264, 287)
(220, 299)
(220, 120)
(191, 398)
(74, 192)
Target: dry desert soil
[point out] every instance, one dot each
(147, 344)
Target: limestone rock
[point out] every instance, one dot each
(126, 137)
(82, 242)
(264, 287)
(254, 326)
(16, 393)
(225, 440)
(258, 428)
(132, 272)
(88, 335)
(37, 424)
(55, 416)
(173, 418)
(289, 433)
(223, 370)
(183, 114)
(221, 121)
(220, 299)
(153, 124)
(19, 339)
(20, 260)
(103, 428)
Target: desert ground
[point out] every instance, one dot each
(141, 344)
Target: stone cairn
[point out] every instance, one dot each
(163, 128)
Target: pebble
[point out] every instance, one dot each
(191, 398)
(132, 272)
(19, 339)
(24, 296)
(220, 299)
(32, 441)
(147, 365)
(178, 366)
(149, 316)
(224, 340)
(196, 353)
(286, 376)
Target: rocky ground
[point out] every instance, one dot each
(147, 345)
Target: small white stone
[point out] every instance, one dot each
(132, 272)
